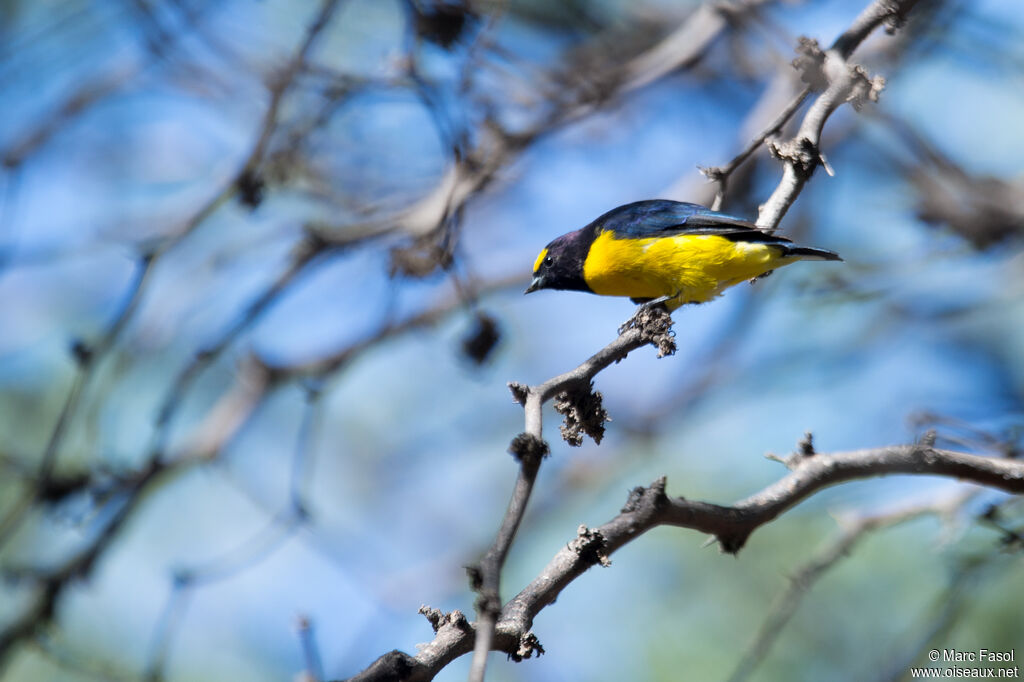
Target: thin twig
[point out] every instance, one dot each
(721, 174)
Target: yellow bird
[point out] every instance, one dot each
(660, 251)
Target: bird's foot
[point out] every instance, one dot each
(651, 303)
(654, 323)
(645, 306)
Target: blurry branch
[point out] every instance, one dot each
(568, 98)
(86, 359)
(223, 421)
(944, 613)
(89, 356)
(841, 81)
(10, 197)
(151, 28)
(718, 186)
(721, 174)
(226, 417)
(127, 492)
(485, 40)
(94, 90)
(192, 17)
(233, 561)
(279, 86)
(681, 49)
(303, 256)
(969, 573)
(650, 507)
(256, 377)
(332, 363)
(961, 434)
(252, 384)
(74, 105)
(301, 470)
(52, 582)
(310, 652)
(45, 488)
(686, 44)
(983, 209)
(122, 495)
(804, 579)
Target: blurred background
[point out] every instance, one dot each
(261, 266)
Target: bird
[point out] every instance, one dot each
(662, 252)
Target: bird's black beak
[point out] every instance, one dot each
(537, 283)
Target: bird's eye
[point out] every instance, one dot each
(549, 261)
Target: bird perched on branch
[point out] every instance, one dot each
(664, 252)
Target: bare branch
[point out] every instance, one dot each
(721, 174)
(648, 326)
(846, 82)
(54, 582)
(650, 507)
(686, 44)
(802, 156)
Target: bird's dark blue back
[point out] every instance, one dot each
(662, 217)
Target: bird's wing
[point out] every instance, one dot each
(664, 218)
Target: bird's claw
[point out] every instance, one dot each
(644, 307)
(656, 303)
(654, 323)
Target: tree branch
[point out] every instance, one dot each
(802, 155)
(721, 174)
(650, 507)
(845, 82)
(648, 326)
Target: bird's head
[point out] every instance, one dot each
(560, 263)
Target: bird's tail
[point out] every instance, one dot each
(810, 253)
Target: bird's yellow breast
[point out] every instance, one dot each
(688, 268)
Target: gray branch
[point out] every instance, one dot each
(529, 447)
(845, 82)
(649, 508)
